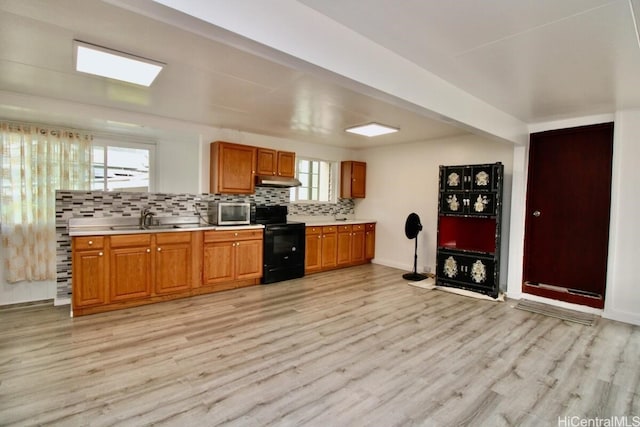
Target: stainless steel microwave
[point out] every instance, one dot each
(232, 213)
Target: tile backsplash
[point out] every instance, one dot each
(97, 204)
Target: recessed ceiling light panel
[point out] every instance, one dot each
(104, 62)
(372, 129)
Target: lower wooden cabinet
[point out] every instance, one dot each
(370, 241)
(89, 271)
(313, 249)
(329, 247)
(130, 265)
(118, 271)
(173, 258)
(232, 255)
(329, 243)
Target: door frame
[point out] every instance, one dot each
(517, 216)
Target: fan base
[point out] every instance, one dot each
(414, 277)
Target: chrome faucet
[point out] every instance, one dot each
(146, 216)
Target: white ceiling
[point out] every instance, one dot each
(535, 60)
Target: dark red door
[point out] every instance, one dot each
(567, 222)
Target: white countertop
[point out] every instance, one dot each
(324, 221)
(102, 231)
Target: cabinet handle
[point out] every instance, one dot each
(236, 234)
(100, 254)
(238, 244)
(90, 242)
(159, 249)
(148, 250)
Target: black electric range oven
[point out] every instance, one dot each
(283, 244)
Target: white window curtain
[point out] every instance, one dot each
(37, 161)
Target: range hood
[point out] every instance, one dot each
(276, 181)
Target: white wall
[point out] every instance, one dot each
(404, 178)
(622, 300)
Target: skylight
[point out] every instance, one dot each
(372, 129)
(104, 62)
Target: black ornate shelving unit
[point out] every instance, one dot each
(469, 216)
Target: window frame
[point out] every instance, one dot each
(106, 142)
(333, 182)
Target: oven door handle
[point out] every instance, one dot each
(273, 228)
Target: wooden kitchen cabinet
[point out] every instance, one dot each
(329, 247)
(232, 168)
(88, 271)
(370, 241)
(344, 245)
(272, 162)
(353, 177)
(313, 249)
(117, 271)
(358, 244)
(173, 262)
(130, 267)
(232, 255)
(337, 246)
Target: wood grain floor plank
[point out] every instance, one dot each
(354, 347)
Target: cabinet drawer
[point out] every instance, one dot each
(370, 226)
(313, 230)
(89, 242)
(358, 227)
(344, 229)
(329, 229)
(125, 240)
(225, 236)
(181, 237)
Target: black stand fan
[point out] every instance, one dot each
(411, 228)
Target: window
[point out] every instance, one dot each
(317, 178)
(121, 167)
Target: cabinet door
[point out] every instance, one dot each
(358, 180)
(453, 203)
(482, 177)
(370, 241)
(286, 164)
(129, 273)
(353, 177)
(173, 267)
(248, 259)
(481, 203)
(468, 271)
(267, 163)
(329, 247)
(358, 244)
(89, 280)
(453, 178)
(232, 168)
(218, 262)
(344, 245)
(313, 249)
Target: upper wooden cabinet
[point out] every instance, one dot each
(232, 168)
(277, 163)
(353, 179)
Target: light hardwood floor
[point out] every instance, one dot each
(344, 348)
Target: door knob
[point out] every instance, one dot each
(536, 213)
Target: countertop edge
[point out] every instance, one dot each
(102, 232)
